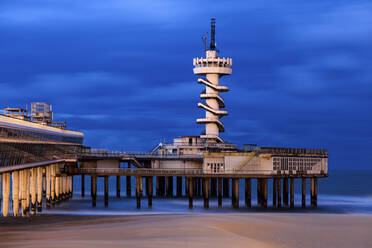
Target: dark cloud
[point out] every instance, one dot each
(121, 71)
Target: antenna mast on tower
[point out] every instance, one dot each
(212, 46)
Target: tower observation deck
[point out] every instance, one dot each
(212, 68)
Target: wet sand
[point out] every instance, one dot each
(207, 230)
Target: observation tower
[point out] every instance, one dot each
(211, 68)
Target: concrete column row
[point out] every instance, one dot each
(164, 187)
(28, 187)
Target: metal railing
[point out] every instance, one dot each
(186, 172)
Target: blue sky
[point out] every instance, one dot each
(121, 71)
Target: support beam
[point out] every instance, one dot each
(6, 192)
(138, 191)
(23, 192)
(264, 192)
(285, 191)
(150, 187)
(53, 184)
(259, 203)
(129, 185)
(169, 186)
(179, 186)
(279, 192)
(303, 192)
(48, 185)
(0, 192)
(82, 185)
(213, 187)
(248, 190)
(315, 192)
(58, 184)
(33, 191)
(206, 192)
(15, 193)
(226, 187)
(118, 186)
(235, 192)
(186, 187)
(292, 193)
(39, 187)
(43, 183)
(72, 186)
(275, 183)
(219, 193)
(106, 191)
(191, 191)
(28, 192)
(157, 186)
(93, 182)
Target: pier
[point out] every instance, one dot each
(39, 158)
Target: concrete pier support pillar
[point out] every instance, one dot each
(0, 193)
(33, 191)
(226, 188)
(258, 192)
(43, 183)
(213, 187)
(313, 192)
(150, 186)
(61, 188)
(186, 187)
(58, 184)
(179, 186)
(82, 185)
(23, 192)
(200, 187)
(52, 184)
(264, 192)
(28, 172)
(248, 197)
(219, 193)
(206, 192)
(292, 193)
(118, 186)
(93, 182)
(195, 186)
(274, 191)
(191, 191)
(279, 192)
(157, 186)
(48, 185)
(129, 186)
(39, 187)
(235, 192)
(285, 191)
(6, 192)
(161, 186)
(106, 191)
(20, 176)
(169, 186)
(303, 192)
(71, 186)
(15, 192)
(138, 191)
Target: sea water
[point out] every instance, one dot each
(342, 192)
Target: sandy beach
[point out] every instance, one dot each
(207, 230)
